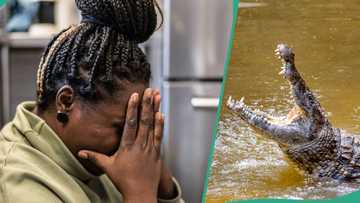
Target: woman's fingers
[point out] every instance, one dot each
(151, 121)
(131, 123)
(157, 101)
(100, 160)
(146, 118)
(156, 106)
(158, 132)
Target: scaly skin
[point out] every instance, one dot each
(310, 139)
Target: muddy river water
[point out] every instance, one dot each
(325, 35)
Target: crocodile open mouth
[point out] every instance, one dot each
(283, 52)
(310, 139)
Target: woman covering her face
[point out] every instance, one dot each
(95, 131)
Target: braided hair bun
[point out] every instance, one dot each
(135, 19)
(93, 56)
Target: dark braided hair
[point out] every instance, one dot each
(99, 51)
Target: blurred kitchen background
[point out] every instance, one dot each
(187, 56)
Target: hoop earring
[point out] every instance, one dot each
(62, 117)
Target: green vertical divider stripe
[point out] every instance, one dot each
(228, 58)
(351, 198)
(2, 2)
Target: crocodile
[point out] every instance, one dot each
(305, 134)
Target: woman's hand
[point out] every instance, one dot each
(135, 169)
(167, 189)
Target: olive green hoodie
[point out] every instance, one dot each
(36, 166)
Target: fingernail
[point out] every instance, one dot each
(135, 97)
(158, 97)
(83, 155)
(149, 91)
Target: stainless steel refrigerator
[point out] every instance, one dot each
(188, 57)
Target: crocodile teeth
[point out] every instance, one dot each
(235, 105)
(282, 72)
(242, 99)
(230, 102)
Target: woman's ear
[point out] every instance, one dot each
(65, 99)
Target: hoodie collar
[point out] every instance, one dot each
(44, 139)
